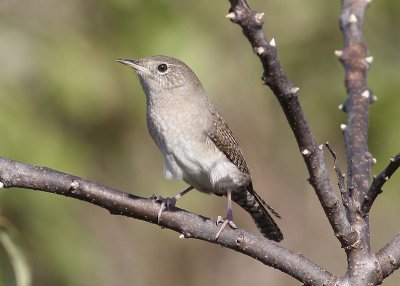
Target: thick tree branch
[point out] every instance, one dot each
(363, 267)
(378, 182)
(190, 225)
(356, 64)
(288, 97)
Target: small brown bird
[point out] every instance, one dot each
(197, 145)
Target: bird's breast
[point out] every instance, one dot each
(177, 130)
(173, 123)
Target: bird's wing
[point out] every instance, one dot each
(223, 138)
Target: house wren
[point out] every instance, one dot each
(197, 145)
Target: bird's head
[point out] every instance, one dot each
(160, 74)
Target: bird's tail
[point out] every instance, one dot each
(258, 209)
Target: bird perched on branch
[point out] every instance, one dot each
(197, 145)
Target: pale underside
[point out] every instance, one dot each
(204, 167)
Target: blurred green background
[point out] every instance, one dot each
(66, 104)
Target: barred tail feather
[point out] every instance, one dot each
(251, 202)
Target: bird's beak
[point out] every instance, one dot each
(134, 64)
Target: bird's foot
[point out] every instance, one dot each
(166, 204)
(224, 222)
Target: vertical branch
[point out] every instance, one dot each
(362, 265)
(356, 105)
(356, 64)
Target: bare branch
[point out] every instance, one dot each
(353, 58)
(389, 257)
(288, 97)
(378, 182)
(356, 63)
(190, 225)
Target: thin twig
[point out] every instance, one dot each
(288, 97)
(189, 225)
(340, 176)
(378, 182)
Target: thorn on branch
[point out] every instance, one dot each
(259, 50)
(1, 185)
(306, 152)
(339, 53)
(365, 94)
(259, 18)
(231, 16)
(343, 106)
(294, 90)
(272, 43)
(369, 59)
(352, 19)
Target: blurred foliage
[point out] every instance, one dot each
(68, 105)
(14, 265)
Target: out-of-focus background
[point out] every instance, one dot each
(66, 104)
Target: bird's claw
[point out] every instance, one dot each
(224, 222)
(156, 198)
(166, 204)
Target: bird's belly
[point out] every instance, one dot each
(209, 172)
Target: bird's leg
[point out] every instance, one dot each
(166, 203)
(228, 220)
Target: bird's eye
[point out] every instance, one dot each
(162, 68)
